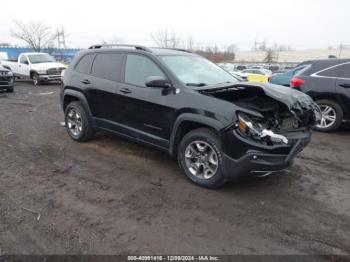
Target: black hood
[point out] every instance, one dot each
(4, 69)
(296, 101)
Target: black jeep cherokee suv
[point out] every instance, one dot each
(217, 127)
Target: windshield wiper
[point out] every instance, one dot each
(196, 84)
(228, 82)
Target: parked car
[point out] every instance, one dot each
(255, 75)
(328, 83)
(6, 79)
(40, 67)
(285, 78)
(217, 127)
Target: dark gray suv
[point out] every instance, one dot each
(328, 83)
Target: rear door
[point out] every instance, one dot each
(343, 85)
(104, 82)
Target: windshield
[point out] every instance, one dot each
(197, 71)
(40, 58)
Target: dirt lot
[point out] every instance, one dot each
(112, 196)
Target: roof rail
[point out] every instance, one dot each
(138, 47)
(178, 49)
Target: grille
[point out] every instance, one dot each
(55, 71)
(5, 78)
(3, 73)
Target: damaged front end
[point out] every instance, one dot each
(272, 125)
(267, 111)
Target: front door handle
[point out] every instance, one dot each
(125, 91)
(86, 82)
(345, 85)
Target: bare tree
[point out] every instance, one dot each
(271, 56)
(164, 38)
(115, 40)
(190, 43)
(37, 35)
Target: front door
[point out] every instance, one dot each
(146, 110)
(23, 66)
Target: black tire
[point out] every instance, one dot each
(10, 90)
(87, 131)
(338, 114)
(36, 79)
(210, 137)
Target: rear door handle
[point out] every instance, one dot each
(345, 85)
(125, 91)
(86, 82)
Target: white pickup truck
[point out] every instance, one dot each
(40, 67)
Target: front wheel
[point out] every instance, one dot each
(200, 158)
(332, 115)
(36, 79)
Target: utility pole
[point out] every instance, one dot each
(61, 40)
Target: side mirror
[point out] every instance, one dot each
(157, 81)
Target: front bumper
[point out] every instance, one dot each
(247, 157)
(6, 83)
(48, 78)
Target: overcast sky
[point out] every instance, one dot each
(300, 23)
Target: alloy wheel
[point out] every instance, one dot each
(201, 159)
(329, 116)
(74, 122)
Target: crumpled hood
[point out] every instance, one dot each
(295, 100)
(4, 69)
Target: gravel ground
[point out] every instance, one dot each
(112, 196)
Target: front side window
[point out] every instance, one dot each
(23, 60)
(138, 68)
(41, 58)
(196, 70)
(107, 66)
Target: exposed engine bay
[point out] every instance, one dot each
(280, 109)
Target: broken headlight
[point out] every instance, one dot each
(253, 127)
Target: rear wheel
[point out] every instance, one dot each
(200, 158)
(332, 115)
(78, 124)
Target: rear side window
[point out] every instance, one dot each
(139, 68)
(84, 65)
(341, 71)
(108, 66)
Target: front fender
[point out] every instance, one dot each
(195, 118)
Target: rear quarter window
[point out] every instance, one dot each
(84, 64)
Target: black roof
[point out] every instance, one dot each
(153, 50)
